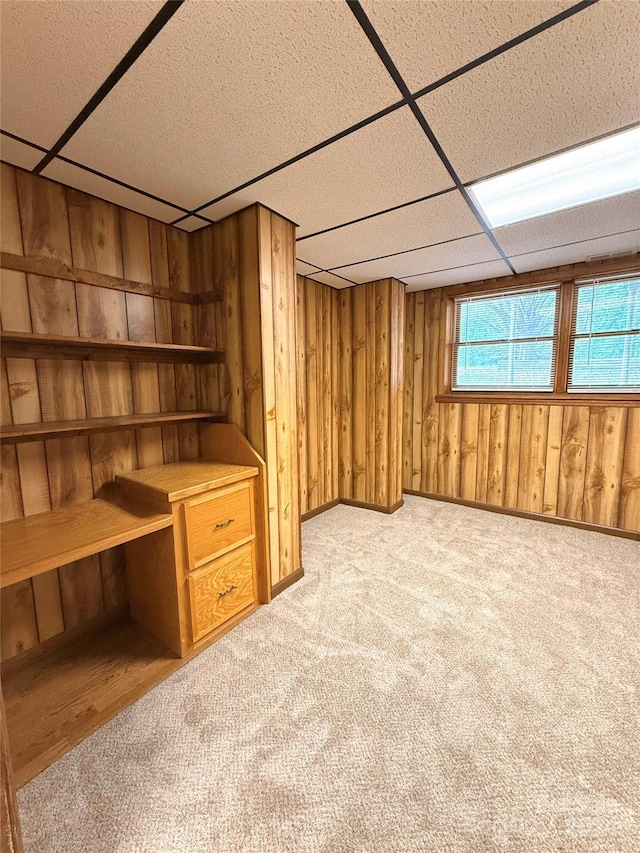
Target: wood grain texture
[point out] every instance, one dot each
(345, 391)
(579, 462)
(10, 831)
(318, 398)
(219, 591)
(283, 281)
(247, 269)
(371, 332)
(605, 454)
(629, 517)
(82, 267)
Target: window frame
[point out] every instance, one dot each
(559, 394)
(599, 391)
(554, 338)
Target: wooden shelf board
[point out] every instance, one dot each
(38, 543)
(33, 345)
(63, 694)
(16, 433)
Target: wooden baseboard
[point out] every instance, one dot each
(279, 587)
(313, 512)
(349, 502)
(374, 507)
(533, 516)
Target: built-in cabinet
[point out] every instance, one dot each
(121, 337)
(139, 522)
(185, 585)
(196, 562)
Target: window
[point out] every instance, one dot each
(506, 341)
(567, 340)
(605, 336)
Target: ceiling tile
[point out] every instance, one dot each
(384, 164)
(332, 280)
(598, 219)
(573, 82)
(229, 90)
(575, 253)
(191, 223)
(303, 268)
(19, 154)
(457, 32)
(443, 256)
(56, 55)
(74, 176)
(462, 275)
(418, 225)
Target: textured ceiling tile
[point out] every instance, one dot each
(452, 254)
(227, 91)
(628, 243)
(576, 81)
(73, 176)
(474, 272)
(305, 269)
(192, 223)
(19, 154)
(442, 218)
(332, 280)
(56, 55)
(580, 223)
(428, 39)
(384, 164)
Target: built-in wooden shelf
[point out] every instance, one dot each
(38, 543)
(58, 693)
(33, 345)
(56, 697)
(18, 433)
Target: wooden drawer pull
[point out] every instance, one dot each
(224, 523)
(227, 591)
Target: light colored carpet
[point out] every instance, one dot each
(443, 679)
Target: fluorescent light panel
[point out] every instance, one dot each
(601, 169)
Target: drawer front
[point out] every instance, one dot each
(217, 522)
(220, 590)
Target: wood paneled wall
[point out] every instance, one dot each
(247, 263)
(575, 462)
(318, 394)
(350, 382)
(50, 224)
(370, 343)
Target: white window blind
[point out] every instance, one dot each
(506, 341)
(605, 335)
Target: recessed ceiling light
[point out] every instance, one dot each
(601, 169)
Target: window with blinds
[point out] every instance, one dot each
(506, 341)
(605, 335)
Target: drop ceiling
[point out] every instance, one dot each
(362, 122)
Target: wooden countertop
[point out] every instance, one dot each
(35, 544)
(178, 480)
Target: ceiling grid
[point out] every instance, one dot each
(366, 121)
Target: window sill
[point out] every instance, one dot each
(536, 398)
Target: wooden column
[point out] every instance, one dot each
(253, 274)
(371, 336)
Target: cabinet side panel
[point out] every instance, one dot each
(153, 587)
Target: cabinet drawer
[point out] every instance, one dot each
(214, 523)
(220, 590)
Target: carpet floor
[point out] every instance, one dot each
(442, 679)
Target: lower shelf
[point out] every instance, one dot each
(59, 696)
